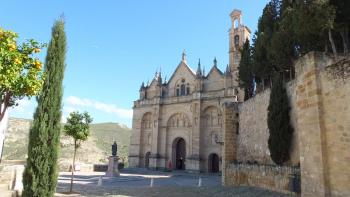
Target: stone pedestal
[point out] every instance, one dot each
(112, 166)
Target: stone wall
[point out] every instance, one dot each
(335, 97)
(271, 177)
(253, 130)
(320, 114)
(323, 100)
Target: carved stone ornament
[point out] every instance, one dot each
(339, 70)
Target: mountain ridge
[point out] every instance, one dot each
(98, 145)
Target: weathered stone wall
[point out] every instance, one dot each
(323, 100)
(271, 177)
(320, 115)
(229, 149)
(336, 119)
(253, 130)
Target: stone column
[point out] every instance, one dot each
(153, 160)
(313, 158)
(134, 148)
(229, 149)
(193, 161)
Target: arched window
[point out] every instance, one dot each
(183, 90)
(177, 90)
(236, 40)
(235, 23)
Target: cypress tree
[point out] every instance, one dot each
(245, 71)
(262, 64)
(314, 22)
(278, 121)
(40, 175)
(282, 51)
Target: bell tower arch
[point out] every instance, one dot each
(238, 34)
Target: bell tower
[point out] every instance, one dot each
(238, 35)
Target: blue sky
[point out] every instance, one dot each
(115, 45)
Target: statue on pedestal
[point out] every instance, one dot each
(113, 162)
(114, 148)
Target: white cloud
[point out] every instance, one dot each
(107, 108)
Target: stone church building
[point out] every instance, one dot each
(178, 123)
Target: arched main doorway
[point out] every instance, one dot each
(213, 163)
(179, 153)
(147, 159)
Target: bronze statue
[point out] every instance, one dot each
(114, 148)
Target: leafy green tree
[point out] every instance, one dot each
(281, 131)
(40, 175)
(78, 128)
(245, 71)
(21, 74)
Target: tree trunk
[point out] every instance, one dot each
(344, 34)
(3, 105)
(330, 37)
(73, 166)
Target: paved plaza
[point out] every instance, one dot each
(137, 182)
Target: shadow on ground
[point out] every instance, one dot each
(137, 184)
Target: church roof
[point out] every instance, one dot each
(183, 63)
(215, 68)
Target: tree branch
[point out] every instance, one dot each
(4, 105)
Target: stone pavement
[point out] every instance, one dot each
(137, 183)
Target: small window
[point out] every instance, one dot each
(236, 40)
(188, 90)
(183, 89)
(177, 92)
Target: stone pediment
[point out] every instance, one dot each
(181, 70)
(214, 73)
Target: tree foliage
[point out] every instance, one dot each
(77, 127)
(281, 131)
(20, 72)
(289, 29)
(262, 64)
(40, 175)
(246, 78)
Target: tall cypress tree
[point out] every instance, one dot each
(281, 131)
(262, 64)
(245, 71)
(40, 175)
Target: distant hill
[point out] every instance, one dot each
(95, 150)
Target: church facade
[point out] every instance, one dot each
(178, 123)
